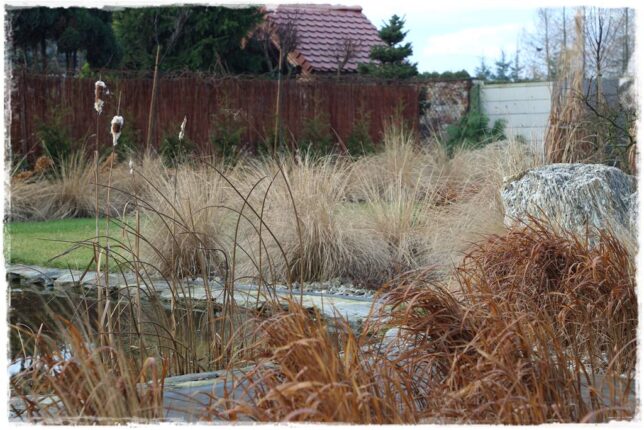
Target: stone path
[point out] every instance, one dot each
(331, 300)
(187, 398)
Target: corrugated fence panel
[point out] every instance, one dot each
(238, 102)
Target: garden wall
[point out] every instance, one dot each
(442, 103)
(524, 106)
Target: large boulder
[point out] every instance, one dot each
(574, 197)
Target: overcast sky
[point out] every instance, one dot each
(445, 35)
(454, 35)
(457, 38)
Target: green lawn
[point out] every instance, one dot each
(35, 243)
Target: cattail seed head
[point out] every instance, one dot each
(98, 105)
(99, 90)
(117, 126)
(183, 128)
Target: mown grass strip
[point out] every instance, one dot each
(36, 242)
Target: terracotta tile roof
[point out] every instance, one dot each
(322, 31)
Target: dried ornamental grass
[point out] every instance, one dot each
(543, 330)
(67, 191)
(85, 384)
(590, 292)
(309, 375)
(325, 242)
(43, 164)
(186, 217)
(402, 159)
(568, 139)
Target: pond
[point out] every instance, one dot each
(181, 335)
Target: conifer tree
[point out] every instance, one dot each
(483, 72)
(503, 66)
(390, 60)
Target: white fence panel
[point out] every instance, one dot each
(524, 106)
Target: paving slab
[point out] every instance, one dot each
(354, 308)
(32, 275)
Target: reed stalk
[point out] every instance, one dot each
(97, 253)
(152, 102)
(107, 316)
(135, 262)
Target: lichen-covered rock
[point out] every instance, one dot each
(633, 210)
(574, 197)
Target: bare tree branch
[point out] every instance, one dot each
(344, 52)
(280, 34)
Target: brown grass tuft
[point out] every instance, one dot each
(186, 218)
(329, 241)
(543, 330)
(588, 292)
(68, 191)
(311, 375)
(43, 164)
(23, 176)
(83, 384)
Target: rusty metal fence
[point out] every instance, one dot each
(247, 103)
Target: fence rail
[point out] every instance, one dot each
(248, 104)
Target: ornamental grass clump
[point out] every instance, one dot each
(66, 191)
(306, 374)
(588, 291)
(541, 329)
(400, 216)
(186, 220)
(80, 382)
(402, 160)
(314, 233)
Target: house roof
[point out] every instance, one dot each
(323, 31)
